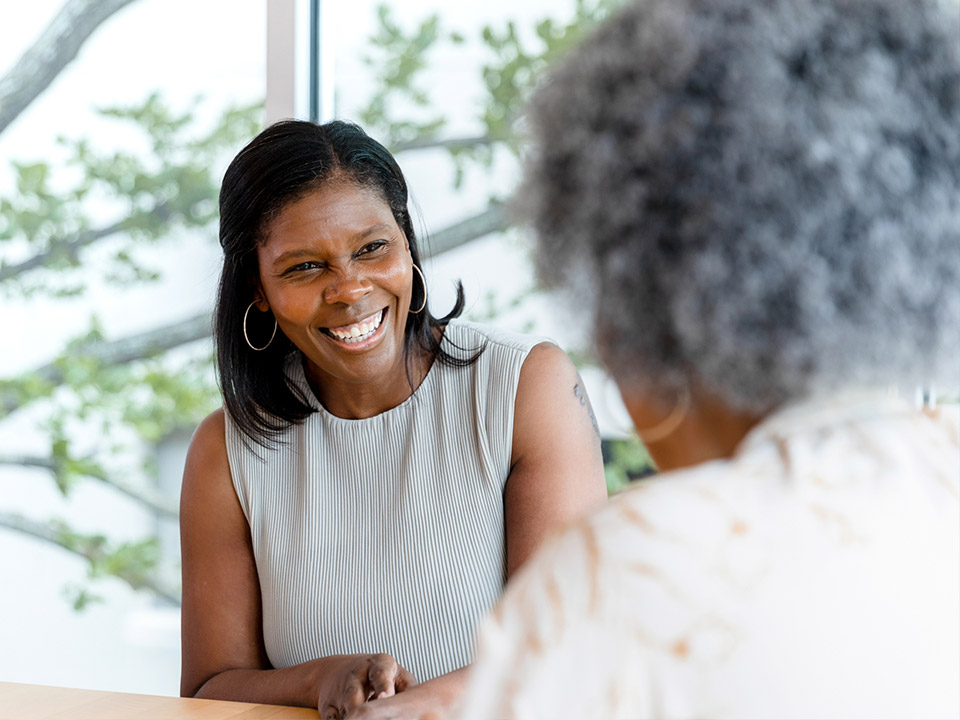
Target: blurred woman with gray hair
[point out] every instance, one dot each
(757, 203)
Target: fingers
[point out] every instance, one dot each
(329, 712)
(355, 691)
(382, 676)
(405, 680)
(366, 678)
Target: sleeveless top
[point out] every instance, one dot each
(386, 534)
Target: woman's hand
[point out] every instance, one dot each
(346, 682)
(408, 706)
(433, 700)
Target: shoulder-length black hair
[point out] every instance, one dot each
(284, 163)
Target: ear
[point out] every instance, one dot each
(260, 299)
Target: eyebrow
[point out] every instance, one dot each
(289, 255)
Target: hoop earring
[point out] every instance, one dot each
(668, 426)
(247, 337)
(424, 281)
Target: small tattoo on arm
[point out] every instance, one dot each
(581, 395)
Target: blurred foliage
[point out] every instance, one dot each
(163, 179)
(396, 69)
(624, 462)
(140, 195)
(86, 218)
(133, 562)
(516, 59)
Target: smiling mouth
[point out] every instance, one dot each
(358, 331)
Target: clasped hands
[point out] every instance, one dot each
(355, 687)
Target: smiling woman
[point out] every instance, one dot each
(377, 473)
(338, 276)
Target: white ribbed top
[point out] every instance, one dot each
(386, 534)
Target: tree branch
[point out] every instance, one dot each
(118, 352)
(491, 220)
(143, 345)
(70, 248)
(56, 47)
(147, 497)
(64, 248)
(91, 552)
(463, 143)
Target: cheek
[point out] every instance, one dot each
(395, 277)
(293, 304)
(300, 306)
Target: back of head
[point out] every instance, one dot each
(759, 196)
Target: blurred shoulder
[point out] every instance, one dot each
(631, 530)
(569, 618)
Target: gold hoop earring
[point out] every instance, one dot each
(424, 281)
(247, 337)
(668, 425)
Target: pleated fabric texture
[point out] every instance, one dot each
(386, 534)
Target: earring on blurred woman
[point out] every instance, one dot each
(668, 425)
(247, 337)
(424, 281)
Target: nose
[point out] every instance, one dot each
(347, 288)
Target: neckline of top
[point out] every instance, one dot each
(298, 376)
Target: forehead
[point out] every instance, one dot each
(338, 211)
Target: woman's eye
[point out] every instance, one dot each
(371, 247)
(303, 267)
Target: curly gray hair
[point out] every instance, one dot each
(759, 196)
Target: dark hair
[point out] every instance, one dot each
(283, 164)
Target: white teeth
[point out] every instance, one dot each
(359, 332)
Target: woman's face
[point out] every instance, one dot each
(336, 272)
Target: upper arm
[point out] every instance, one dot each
(221, 624)
(556, 465)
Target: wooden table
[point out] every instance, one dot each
(39, 702)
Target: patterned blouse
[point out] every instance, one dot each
(816, 574)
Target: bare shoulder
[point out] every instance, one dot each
(210, 435)
(207, 468)
(545, 368)
(547, 357)
(551, 385)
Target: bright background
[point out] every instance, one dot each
(214, 50)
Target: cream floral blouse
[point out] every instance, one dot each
(816, 574)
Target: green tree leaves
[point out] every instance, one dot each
(162, 180)
(155, 175)
(116, 199)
